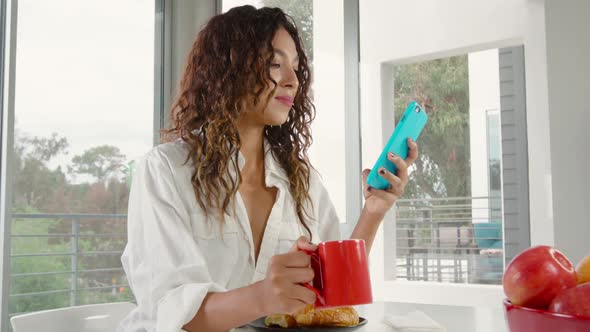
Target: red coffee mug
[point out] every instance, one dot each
(341, 274)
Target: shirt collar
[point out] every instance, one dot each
(273, 171)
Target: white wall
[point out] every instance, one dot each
(568, 70)
(540, 191)
(403, 31)
(327, 153)
(396, 31)
(484, 95)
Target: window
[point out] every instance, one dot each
(494, 164)
(449, 224)
(84, 111)
(318, 23)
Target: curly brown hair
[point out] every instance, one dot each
(229, 65)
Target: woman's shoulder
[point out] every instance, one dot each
(166, 164)
(173, 153)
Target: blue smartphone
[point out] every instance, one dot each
(410, 125)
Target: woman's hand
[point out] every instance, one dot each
(378, 202)
(281, 290)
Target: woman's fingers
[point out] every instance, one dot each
(297, 275)
(303, 243)
(402, 167)
(366, 187)
(301, 293)
(412, 152)
(291, 259)
(393, 180)
(396, 185)
(282, 289)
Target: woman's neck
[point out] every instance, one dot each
(252, 149)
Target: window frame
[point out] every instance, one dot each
(489, 114)
(383, 255)
(352, 118)
(8, 42)
(7, 81)
(524, 23)
(161, 65)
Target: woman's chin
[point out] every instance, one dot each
(276, 122)
(278, 118)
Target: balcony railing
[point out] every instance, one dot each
(448, 240)
(72, 239)
(457, 239)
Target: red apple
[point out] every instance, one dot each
(536, 275)
(574, 301)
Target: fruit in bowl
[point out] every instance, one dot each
(583, 270)
(544, 292)
(536, 275)
(574, 301)
(522, 319)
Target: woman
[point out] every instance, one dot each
(217, 215)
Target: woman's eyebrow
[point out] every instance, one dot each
(284, 54)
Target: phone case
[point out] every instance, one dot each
(410, 125)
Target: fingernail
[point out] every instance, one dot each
(410, 139)
(382, 171)
(393, 155)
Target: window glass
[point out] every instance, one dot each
(84, 113)
(449, 224)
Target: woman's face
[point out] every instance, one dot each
(283, 71)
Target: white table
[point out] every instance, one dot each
(454, 318)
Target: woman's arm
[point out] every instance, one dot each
(378, 202)
(366, 228)
(225, 310)
(279, 292)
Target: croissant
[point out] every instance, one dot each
(341, 317)
(280, 320)
(308, 317)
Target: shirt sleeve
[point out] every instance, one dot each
(165, 268)
(329, 223)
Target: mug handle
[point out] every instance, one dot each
(315, 259)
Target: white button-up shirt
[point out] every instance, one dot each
(174, 257)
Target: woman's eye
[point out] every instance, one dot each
(275, 65)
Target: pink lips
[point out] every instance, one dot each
(286, 100)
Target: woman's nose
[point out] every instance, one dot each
(290, 78)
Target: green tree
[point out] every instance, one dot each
(44, 149)
(40, 188)
(34, 181)
(442, 87)
(302, 13)
(99, 162)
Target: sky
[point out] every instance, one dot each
(227, 4)
(86, 71)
